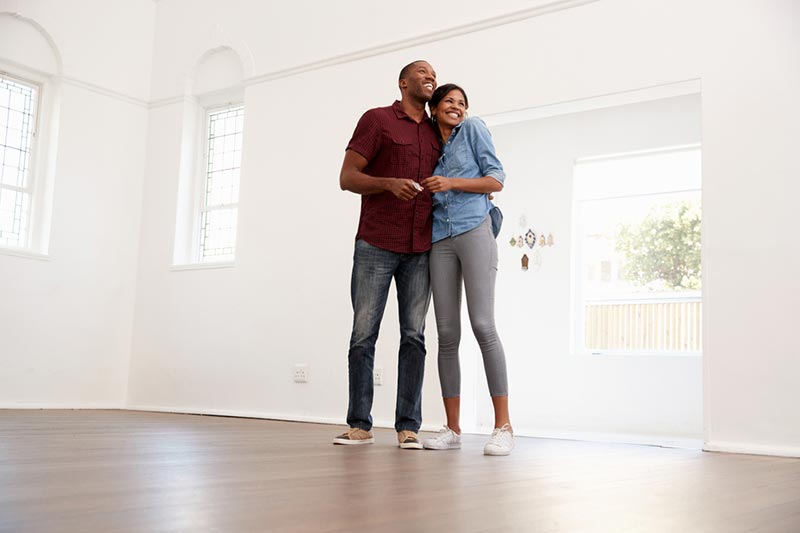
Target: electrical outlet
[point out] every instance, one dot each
(301, 373)
(377, 376)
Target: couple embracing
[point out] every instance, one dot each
(428, 223)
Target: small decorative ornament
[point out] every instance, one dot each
(513, 241)
(542, 240)
(520, 242)
(523, 221)
(530, 239)
(550, 240)
(524, 261)
(536, 260)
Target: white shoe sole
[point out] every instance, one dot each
(411, 446)
(497, 453)
(353, 442)
(455, 446)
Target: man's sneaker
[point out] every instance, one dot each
(501, 442)
(408, 440)
(447, 439)
(354, 436)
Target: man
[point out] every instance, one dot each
(392, 149)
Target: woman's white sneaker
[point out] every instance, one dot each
(447, 439)
(501, 442)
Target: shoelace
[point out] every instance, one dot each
(501, 434)
(351, 432)
(444, 434)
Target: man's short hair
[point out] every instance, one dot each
(407, 68)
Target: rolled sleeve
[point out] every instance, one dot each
(482, 146)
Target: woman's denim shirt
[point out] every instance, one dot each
(469, 153)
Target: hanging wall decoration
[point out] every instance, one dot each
(520, 242)
(530, 239)
(536, 260)
(513, 241)
(524, 261)
(550, 240)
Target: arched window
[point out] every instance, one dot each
(209, 191)
(29, 73)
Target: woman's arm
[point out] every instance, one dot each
(485, 184)
(486, 159)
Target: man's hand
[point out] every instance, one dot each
(353, 179)
(437, 184)
(404, 189)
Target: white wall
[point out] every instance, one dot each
(556, 392)
(226, 340)
(66, 321)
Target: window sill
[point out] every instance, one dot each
(203, 266)
(642, 353)
(27, 254)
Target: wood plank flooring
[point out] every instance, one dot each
(122, 471)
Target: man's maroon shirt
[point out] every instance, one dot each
(396, 146)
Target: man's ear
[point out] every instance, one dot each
(402, 84)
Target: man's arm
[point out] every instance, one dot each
(353, 179)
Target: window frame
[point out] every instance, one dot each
(32, 243)
(579, 300)
(201, 181)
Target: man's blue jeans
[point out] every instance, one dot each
(373, 270)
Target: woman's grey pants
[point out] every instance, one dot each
(471, 257)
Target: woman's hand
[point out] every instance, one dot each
(437, 184)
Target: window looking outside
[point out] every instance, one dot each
(637, 260)
(220, 195)
(18, 102)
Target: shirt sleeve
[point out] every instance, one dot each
(366, 138)
(480, 140)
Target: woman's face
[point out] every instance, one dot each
(452, 109)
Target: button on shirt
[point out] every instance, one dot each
(469, 153)
(396, 146)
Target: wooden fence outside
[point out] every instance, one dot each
(645, 326)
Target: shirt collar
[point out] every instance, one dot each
(397, 107)
(456, 129)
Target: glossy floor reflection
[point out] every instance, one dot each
(109, 471)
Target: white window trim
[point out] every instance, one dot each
(186, 255)
(578, 322)
(41, 168)
(202, 176)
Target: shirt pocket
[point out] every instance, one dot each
(401, 150)
(460, 160)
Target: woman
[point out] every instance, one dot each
(464, 248)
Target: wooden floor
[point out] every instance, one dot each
(107, 471)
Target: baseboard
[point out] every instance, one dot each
(63, 406)
(615, 438)
(618, 438)
(752, 449)
(663, 441)
(384, 424)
